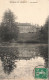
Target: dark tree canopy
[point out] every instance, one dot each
(44, 32)
(8, 29)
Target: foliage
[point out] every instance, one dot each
(43, 33)
(8, 29)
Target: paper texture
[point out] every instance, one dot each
(23, 39)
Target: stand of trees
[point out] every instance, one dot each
(8, 27)
(9, 30)
(43, 33)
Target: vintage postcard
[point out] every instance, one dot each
(24, 39)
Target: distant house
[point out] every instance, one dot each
(27, 32)
(26, 27)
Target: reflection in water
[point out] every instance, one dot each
(8, 64)
(8, 56)
(44, 53)
(35, 55)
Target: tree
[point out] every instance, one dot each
(44, 32)
(8, 29)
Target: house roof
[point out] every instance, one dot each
(23, 24)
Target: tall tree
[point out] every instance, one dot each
(44, 32)
(8, 29)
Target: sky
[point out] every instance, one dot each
(34, 13)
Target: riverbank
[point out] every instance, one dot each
(21, 44)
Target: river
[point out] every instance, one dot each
(18, 61)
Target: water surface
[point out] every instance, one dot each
(19, 60)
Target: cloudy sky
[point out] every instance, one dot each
(35, 13)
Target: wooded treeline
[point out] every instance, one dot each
(9, 30)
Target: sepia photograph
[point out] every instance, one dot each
(24, 39)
